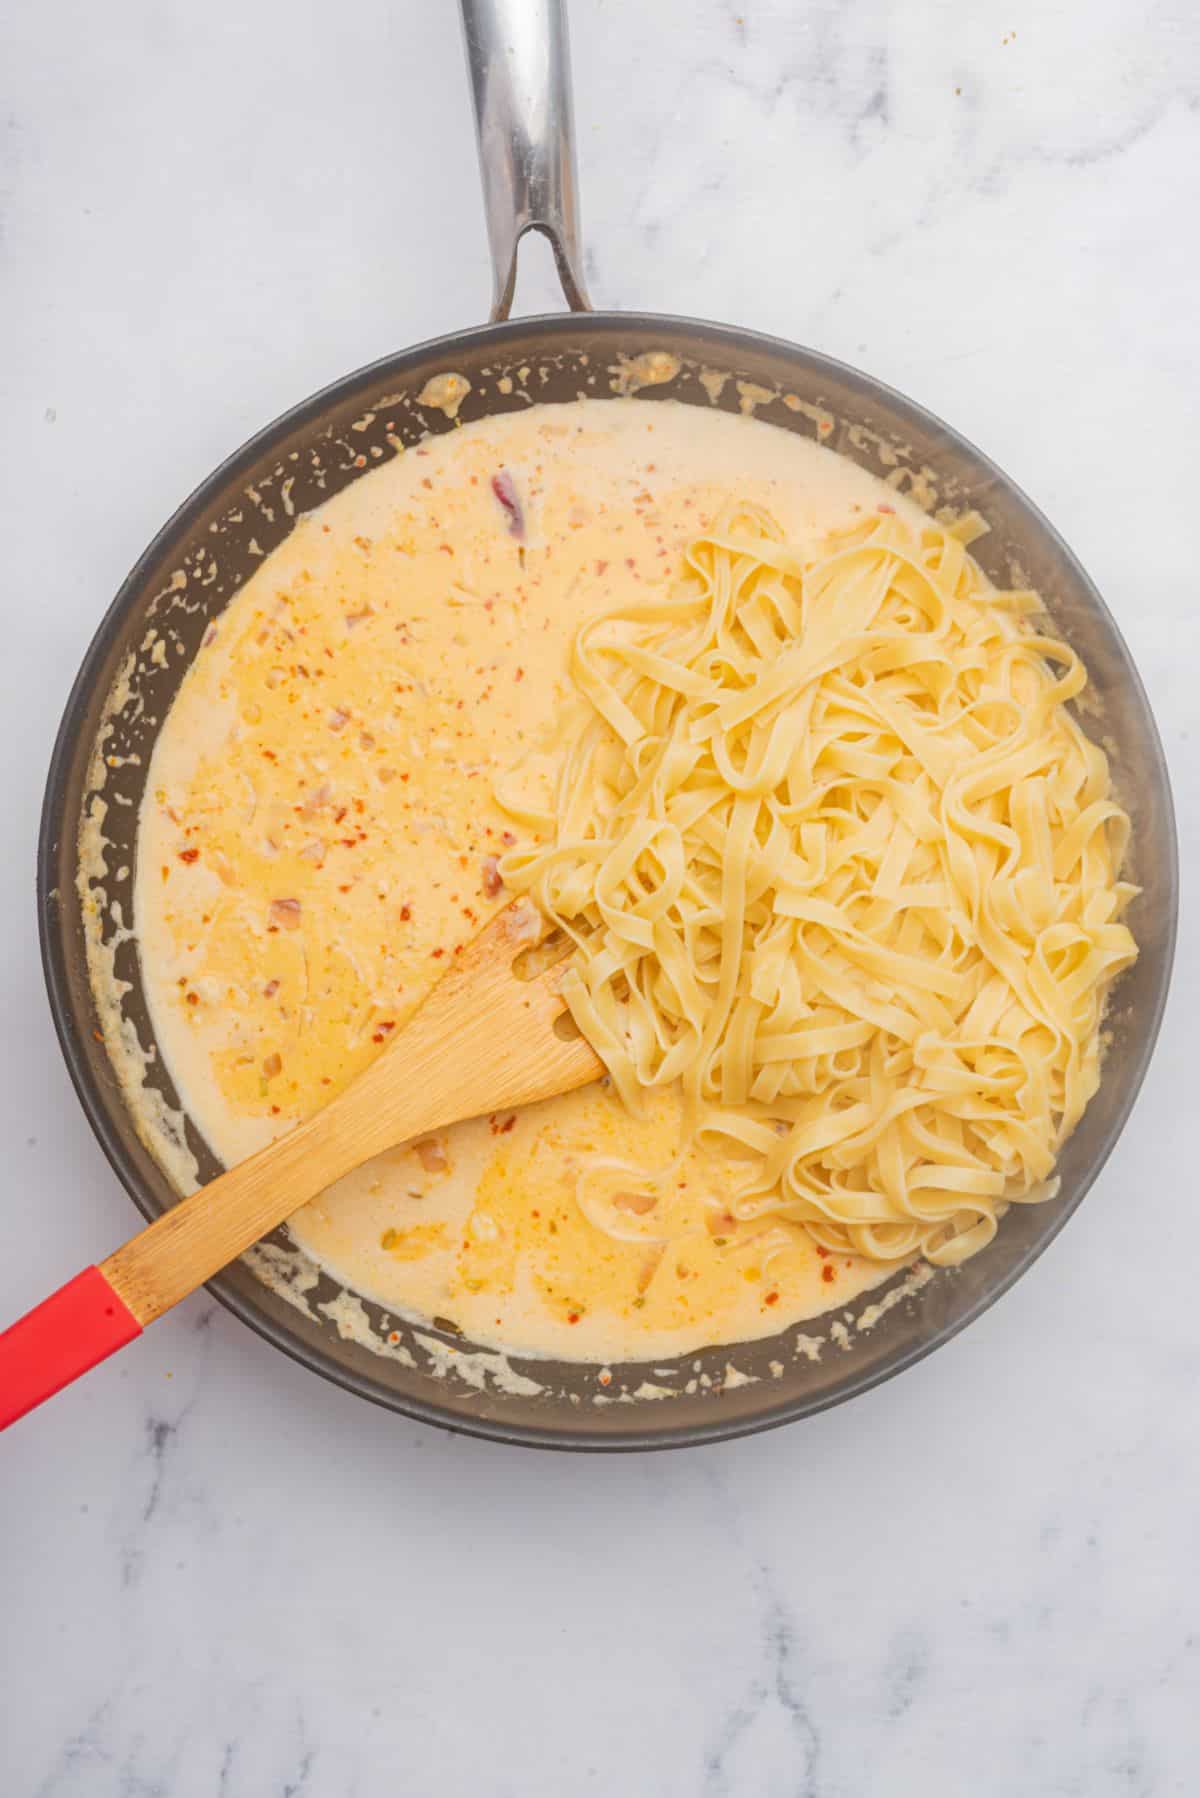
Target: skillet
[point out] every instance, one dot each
(517, 56)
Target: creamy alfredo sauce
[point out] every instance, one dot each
(318, 838)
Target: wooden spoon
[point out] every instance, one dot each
(483, 1040)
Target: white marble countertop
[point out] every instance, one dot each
(222, 1576)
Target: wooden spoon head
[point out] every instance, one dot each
(518, 1041)
(490, 1034)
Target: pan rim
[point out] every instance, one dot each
(96, 1106)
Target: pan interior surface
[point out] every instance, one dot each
(138, 660)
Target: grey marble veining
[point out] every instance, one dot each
(221, 1576)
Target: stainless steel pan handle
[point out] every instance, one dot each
(521, 84)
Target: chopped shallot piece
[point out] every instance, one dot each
(522, 922)
(637, 1202)
(270, 990)
(431, 1155)
(355, 618)
(313, 852)
(506, 493)
(492, 882)
(650, 1267)
(338, 719)
(272, 1065)
(285, 913)
(317, 800)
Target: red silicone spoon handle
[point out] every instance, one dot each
(79, 1325)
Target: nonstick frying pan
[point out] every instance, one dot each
(517, 54)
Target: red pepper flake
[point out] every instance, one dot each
(507, 838)
(506, 493)
(601, 567)
(772, 1298)
(188, 855)
(383, 1030)
(437, 954)
(821, 1251)
(572, 1317)
(193, 998)
(520, 674)
(405, 913)
(828, 1274)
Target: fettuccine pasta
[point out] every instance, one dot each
(838, 859)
